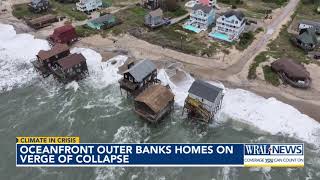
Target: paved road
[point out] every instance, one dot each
(262, 42)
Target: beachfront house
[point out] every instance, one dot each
(103, 22)
(65, 34)
(70, 68)
(88, 5)
(229, 26)
(39, 5)
(204, 100)
(46, 59)
(138, 77)
(201, 17)
(154, 103)
(154, 18)
(306, 24)
(307, 39)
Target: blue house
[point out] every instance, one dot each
(201, 17)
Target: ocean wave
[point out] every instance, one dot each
(268, 115)
(16, 52)
(102, 74)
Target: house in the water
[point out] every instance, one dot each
(201, 17)
(39, 5)
(229, 26)
(154, 103)
(138, 77)
(103, 22)
(65, 34)
(292, 73)
(154, 19)
(204, 100)
(306, 24)
(46, 59)
(70, 68)
(307, 39)
(88, 5)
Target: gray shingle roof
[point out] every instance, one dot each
(205, 90)
(312, 23)
(141, 70)
(205, 8)
(238, 14)
(308, 36)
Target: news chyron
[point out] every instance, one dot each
(69, 152)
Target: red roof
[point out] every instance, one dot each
(63, 29)
(71, 60)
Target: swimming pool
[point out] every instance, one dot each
(220, 36)
(192, 28)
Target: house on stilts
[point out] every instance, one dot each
(204, 101)
(46, 59)
(154, 103)
(138, 77)
(71, 68)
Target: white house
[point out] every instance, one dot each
(88, 5)
(201, 17)
(229, 26)
(306, 24)
(204, 100)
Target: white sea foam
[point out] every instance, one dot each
(102, 74)
(269, 115)
(16, 51)
(73, 85)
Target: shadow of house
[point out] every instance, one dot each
(154, 103)
(292, 73)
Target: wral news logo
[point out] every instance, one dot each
(274, 149)
(274, 155)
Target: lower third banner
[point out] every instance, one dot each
(77, 155)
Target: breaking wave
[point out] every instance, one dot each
(268, 115)
(16, 52)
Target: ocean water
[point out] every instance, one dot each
(95, 110)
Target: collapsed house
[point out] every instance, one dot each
(46, 59)
(155, 19)
(58, 61)
(39, 5)
(204, 101)
(138, 77)
(42, 21)
(65, 34)
(70, 68)
(292, 73)
(154, 103)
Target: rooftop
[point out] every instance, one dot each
(291, 68)
(71, 60)
(205, 8)
(230, 13)
(205, 90)
(141, 70)
(157, 97)
(157, 12)
(57, 49)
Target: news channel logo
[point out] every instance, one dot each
(274, 155)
